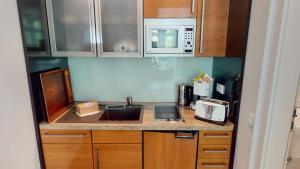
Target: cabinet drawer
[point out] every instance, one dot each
(66, 136)
(117, 137)
(213, 164)
(214, 151)
(215, 137)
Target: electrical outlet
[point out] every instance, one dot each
(251, 120)
(220, 88)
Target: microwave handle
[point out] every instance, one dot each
(202, 27)
(193, 7)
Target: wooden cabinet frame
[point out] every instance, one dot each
(126, 149)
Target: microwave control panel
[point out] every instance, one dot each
(188, 39)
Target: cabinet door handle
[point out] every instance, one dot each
(184, 135)
(193, 6)
(97, 159)
(65, 135)
(202, 27)
(213, 165)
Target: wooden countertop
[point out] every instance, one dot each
(147, 123)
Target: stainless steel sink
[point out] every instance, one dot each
(167, 113)
(132, 113)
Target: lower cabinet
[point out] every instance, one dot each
(67, 149)
(117, 149)
(170, 150)
(85, 149)
(214, 149)
(68, 156)
(117, 156)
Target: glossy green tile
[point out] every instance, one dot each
(146, 79)
(43, 63)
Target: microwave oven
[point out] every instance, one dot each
(169, 37)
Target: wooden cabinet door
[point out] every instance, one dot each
(68, 156)
(162, 150)
(170, 8)
(117, 156)
(212, 27)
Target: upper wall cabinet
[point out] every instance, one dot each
(34, 27)
(72, 27)
(238, 23)
(104, 28)
(212, 24)
(170, 8)
(119, 28)
(222, 27)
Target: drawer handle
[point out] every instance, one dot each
(65, 135)
(221, 135)
(213, 165)
(185, 135)
(215, 150)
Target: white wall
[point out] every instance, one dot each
(284, 86)
(18, 147)
(270, 82)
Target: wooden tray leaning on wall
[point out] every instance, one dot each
(57, 92)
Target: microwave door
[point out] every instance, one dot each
(164, 39)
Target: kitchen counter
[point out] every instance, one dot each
(148, 123)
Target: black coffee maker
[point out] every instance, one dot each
(228, 89)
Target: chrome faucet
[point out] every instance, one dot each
(128, 100)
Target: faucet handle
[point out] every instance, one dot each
(128, 100)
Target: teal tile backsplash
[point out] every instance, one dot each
(43, 63)
(145, 79)
(227, 67)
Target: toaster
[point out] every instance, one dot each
(212, 110)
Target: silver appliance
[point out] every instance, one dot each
(212, 110)
(185, 95)
(169, 37)
(167, 113)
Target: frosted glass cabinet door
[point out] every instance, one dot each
(120, 28)
(72, 27)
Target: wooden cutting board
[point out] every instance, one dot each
(57, 91)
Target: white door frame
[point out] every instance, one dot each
(283, 91)
(278, 77)
(18, 145)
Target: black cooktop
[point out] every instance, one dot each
(167, 113)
